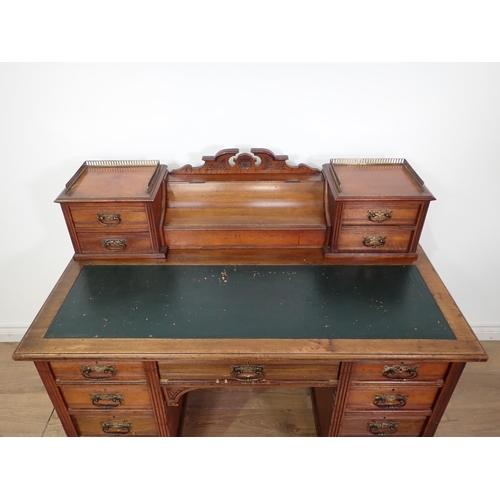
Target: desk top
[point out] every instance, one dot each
(250, 302)
(252, 305)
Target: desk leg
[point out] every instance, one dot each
(339, 404)
(443, 399)
(57, 400)
(167, 418)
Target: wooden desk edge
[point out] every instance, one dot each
(34, 346)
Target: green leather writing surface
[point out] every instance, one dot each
(285, 302)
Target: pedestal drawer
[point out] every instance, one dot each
(396, 398)
(376, 424)
(92, 371)
(400, 371)
(111, 396)
(246, 372)
(115, 424)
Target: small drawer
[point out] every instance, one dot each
(406, 371)
(104, 217)
(126, 424)
(115, 244)
(376, 424)
(246, 372)
(378, 213)
(391, 398)
(374, 239)
(106, 397)
(93, 371)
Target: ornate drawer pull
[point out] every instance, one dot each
(379, 215)
(109, 219)
(374, 241)
(399, 372)
(382, 428)
(390, 401)
(107, 400)
(247, 372)
(116, 428)
(97, 372)
(114, 245)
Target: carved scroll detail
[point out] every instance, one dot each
(231, 161)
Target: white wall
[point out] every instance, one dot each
(443, 118)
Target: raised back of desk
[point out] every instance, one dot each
(251, 200)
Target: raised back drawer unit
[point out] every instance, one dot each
(376, 208)
(247, 200)
(115, 209)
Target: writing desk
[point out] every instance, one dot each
(120, 344)
(248, 271)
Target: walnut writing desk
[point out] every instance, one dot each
(121, 342)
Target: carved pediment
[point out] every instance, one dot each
(231, 161)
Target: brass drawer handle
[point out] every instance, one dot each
(247, 372)
(399, 372)
(382, 428)
(109, 219)
(374, 241)
(114, 245)
(116, 428)
(390, 401)
(106, 400)
(379, 215)
(97, 372)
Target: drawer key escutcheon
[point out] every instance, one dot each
(379, 215)
(247, 372)
(107, 400)
(390, 401)
(109, 219)
(400, 372)
(382, 428)
(114, 245)
(374, 241)
(116, 428)
(98, 372)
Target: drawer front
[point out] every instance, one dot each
(406, 371)
(373, 424)
(374, 239)
(379, 213)
(97, 371)
(395, 398)
(104, 217)
(246, 372)
(115, 244)
(105, 397)
(125, 424)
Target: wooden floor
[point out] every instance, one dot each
(25, 409)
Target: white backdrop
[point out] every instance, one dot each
(443, 118)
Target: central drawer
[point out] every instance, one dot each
(227, 372)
